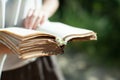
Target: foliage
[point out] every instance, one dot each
(103, 17)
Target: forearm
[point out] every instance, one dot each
(50, 7)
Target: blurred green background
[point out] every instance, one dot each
(103, 17)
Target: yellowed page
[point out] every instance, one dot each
(65, 31)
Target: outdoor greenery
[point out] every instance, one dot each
(102, 16)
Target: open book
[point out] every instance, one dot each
(48, 39)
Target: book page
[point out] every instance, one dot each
(62, 30)
(21, 32)
(18, 31)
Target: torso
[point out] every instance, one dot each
(16, 11)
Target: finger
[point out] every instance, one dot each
(33, 19)
(36, 22)
(30, 12)
(42, 20)
(32, 22)
(25, 22)
(27, 19)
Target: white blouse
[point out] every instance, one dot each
(12, 13)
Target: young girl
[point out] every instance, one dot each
(29, 14)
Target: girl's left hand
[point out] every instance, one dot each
(4, 49)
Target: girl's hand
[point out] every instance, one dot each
(4, 49)
(33, 18)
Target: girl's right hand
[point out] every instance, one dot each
(33, 18)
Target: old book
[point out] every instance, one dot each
(48, 39)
